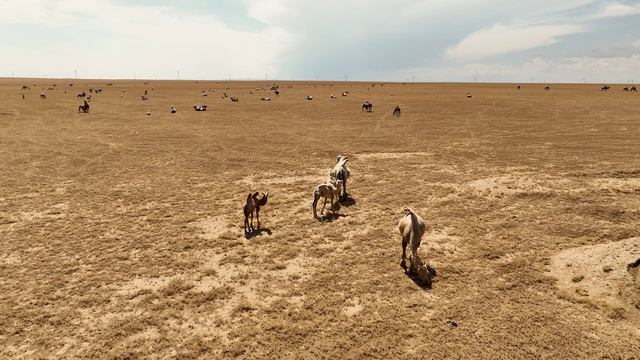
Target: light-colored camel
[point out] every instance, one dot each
(341, 172)
(412, 228)
(329, 190)
(253, 203)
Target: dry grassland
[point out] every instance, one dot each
(122, 233)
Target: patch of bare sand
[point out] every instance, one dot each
(507, 185)
(210, 227)
(273, 178)
(598, 274)
(391, 155)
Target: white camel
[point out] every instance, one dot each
(341, 172)
(412, 228)
(328, 190)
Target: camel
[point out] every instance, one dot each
(412, 228)
(173, 110)
(341, 172)
(333, 96)
(200, 107)
(546, 88)
(25, 87)
(81, 95)
(144, 97)
(634, 89)
(469, 96)
(626, 89)
(518, 87)
(265, 98)
(367, 106)
(84, 107)
(234, 99)
(345, 93)
(253, 203)
(396, 111)
(277, 92)
(330, 189)
(308, 97)
(43, 96)
(605, 88)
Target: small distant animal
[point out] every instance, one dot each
(22, 96)
(308, 97)
(329, 190)
(200, 107)
(148, 112)
(109, 84)
(173, 110)
(253, 203)
(146, 92)
(546, 88)
(234, 99)
(81, 95)
(605, 88)
(144, 97)
(469, 96)
(265, 99)
(84, 107)
(367, 106)
(333, 96)
(518, 87)
(43, 96)
(277, 92)
(396, 111)
(626, 89)
(225, 94)
(25, 87)
(634, 89)
(345, 93)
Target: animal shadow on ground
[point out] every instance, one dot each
(256, 232)
(330, 217)
(423, 284)
(347, 201)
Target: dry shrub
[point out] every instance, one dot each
(176, 286)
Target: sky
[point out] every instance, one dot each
(375, 40)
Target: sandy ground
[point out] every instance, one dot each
(122, 233)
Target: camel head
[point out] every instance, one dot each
(265, 197)
(424, 274)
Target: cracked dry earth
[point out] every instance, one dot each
(122, 233)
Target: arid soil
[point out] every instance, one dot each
(122, 233)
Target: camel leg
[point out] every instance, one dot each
(323, 205)
(403, 263)
(258, 217)
(251, 223)
(313, 206)
(344, 189)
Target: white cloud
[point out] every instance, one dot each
(618, 9)
(500, 39)
(150, 40)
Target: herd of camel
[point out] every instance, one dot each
(411, 226)
(367, 106)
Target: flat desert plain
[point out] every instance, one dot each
(122, 233)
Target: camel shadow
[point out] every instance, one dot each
(256, 232)
(327, 218)
(347, 201)
(425, 285)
